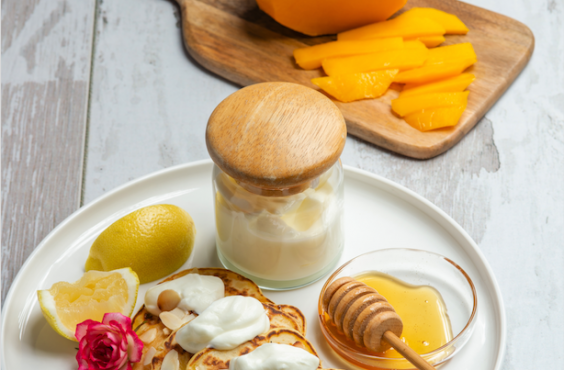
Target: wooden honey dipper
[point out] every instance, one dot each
(366, 317)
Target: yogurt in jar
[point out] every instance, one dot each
(280, 238)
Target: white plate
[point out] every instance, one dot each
(378, 214)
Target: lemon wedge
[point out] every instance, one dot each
(66, 305)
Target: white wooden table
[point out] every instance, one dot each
(95, 94)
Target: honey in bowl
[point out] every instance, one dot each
(426, 325)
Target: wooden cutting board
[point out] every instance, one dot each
(239, 42)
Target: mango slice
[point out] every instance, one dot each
(433, 72)
(406, 27)
(451, 23)
(431, 119)
(394, 59)
(430, 41)
(414, 44)
(356, 86)
(454, 84)
(321, 17)
(451, 53)
(411, 104)
(312, 56)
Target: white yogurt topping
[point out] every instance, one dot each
(196, 292)
(273, 356)
(225, 324)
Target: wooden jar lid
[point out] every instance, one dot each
(275, 135)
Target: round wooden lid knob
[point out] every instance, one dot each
(275, 135)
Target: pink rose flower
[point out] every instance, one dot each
(109, 345)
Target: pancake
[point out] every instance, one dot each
(213, 359)
(160, 340)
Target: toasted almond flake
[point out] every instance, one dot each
(170, 320)
(166, 331)
(178, 312)
(148, 336)
(149, 356)
(188, 318)
(170, 362)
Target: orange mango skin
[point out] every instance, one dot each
(451, 23)
(312, 56)
(322, 17)
(433, 72)
(434, 118)
(405, 106)
(407, 27)
(394, 59)
(356, 86)
(430, 41)
(454, 84)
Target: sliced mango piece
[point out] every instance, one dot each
(430, 41)
(411, 104)
(312, 56)
(321, 17)
(394, 59)
(451, 23)
(433, 118)
(414, 44)
(357, 86)
(406, 27)
(433, 72)
(453, 84)
(451, 53)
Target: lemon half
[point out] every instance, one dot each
(66, 305)
(154, 241)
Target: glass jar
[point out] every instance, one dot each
(280, 242)
(278, 183)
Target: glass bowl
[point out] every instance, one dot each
(414, 267)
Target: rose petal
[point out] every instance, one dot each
(82, 329)
(135, 347)
(118, 318)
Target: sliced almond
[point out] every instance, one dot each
(170, 362)
(148, 336)
(188, 318)
(180, 313)
(149, 356)
(170, 320)
(166, 331)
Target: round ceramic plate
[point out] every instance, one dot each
(378, 214)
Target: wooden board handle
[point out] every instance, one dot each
(407, 352)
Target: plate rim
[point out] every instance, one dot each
(416, 200)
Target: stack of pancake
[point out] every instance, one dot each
(287, 326)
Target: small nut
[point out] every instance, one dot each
(170, 361)
(148, 358)
(148, 336)
(170, 320)
(168, 300)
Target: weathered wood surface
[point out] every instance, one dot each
(151, 102)
(46, 48)
(241, 43)
(503, 182)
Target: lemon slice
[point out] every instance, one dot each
(66, 305)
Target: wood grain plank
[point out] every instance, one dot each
(46, 48)
(240, 44)
(151, 102)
